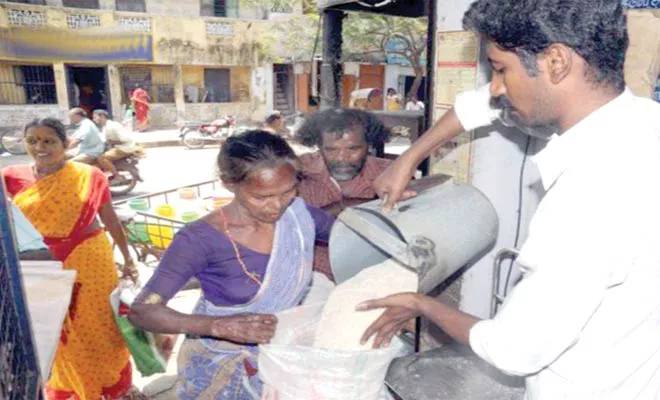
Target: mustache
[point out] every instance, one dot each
(500, 103)
(339, 165)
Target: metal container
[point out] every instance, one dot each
(457, 219)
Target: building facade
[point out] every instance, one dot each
(197, 59)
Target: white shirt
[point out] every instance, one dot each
(116, 132)
(584, 323)
(415, 106)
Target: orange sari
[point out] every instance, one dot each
(92, 360)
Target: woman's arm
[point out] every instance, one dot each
(149, 313)
(185, 257)
(111, 221)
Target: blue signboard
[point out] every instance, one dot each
(67, 45)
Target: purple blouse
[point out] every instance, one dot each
(202, 251)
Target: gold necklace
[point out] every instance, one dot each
(252, 275)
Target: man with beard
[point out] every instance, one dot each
(593, 238)
(342, 172)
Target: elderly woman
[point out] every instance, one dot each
(63, 200)
(253, 258)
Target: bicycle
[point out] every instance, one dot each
(12, 141)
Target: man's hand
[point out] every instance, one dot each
(246, 328)
(400, 310)
(391, 184)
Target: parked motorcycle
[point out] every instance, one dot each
(196, 135)
(127, 177)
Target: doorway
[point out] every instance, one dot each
(88, 88)
(283, 90)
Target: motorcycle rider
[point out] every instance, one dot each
(87, 136)
(214, 127)
(274, 123)
(119, 142)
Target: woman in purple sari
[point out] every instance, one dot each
(253, 258)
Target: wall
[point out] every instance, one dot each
(189, 8)
(18, 115)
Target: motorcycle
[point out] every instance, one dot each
(127, 177)
(196, 135)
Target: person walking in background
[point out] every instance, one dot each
(274, 123)
(414, 104)
(393, 100)
(140, 101)
(64, 201)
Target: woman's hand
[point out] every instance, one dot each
(400, 310)
(391, 184)
(245, 328)
(129, 270)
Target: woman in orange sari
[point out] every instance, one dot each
(140, 100)
(62, 200)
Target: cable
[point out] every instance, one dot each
(519, 212)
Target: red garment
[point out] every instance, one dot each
(20, 177)
(318, 189)
(141, 99)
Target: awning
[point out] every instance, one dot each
(91, 45)
(399, 8)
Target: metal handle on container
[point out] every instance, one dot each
(500, 256)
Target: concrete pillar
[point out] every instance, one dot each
(331, 67)
(179, 98)
(115, 88)
(61, 88)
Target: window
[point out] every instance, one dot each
(27, 84)
(36, 2)
(217, 86)
(131, 5)
(81, 3)
(158, 81)
(219, 8)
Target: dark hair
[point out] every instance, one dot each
(102, 113)
(391, 91)
(52, 123)
(337, 122)
(596, 30)
(249, 151)
(273, 117)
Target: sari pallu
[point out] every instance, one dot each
(220, 370)
(91, 360)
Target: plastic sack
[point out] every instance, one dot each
(150, 351)
(293, 370)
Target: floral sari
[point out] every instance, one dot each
(92, 361)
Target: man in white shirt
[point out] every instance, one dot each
(584, 323)
(414, 104)
(119, 141)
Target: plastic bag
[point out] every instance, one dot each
(293, 370)
(150, 351)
